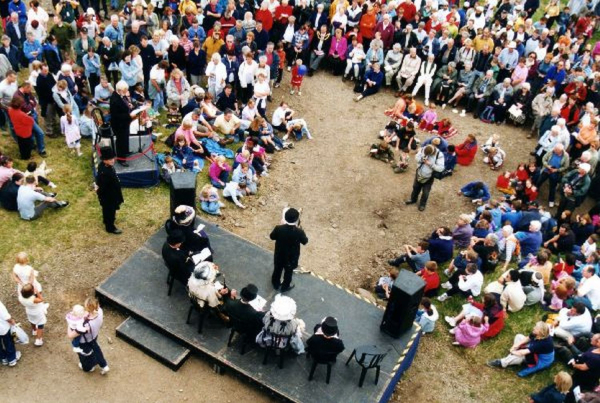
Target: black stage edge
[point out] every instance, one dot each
(143, 166)
(139, 288)
(153, 343)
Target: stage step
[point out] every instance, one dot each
(153, 343)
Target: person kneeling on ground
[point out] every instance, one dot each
(536, 351)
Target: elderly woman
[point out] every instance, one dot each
(203, 286)
(217, 75)
(337, 52)
(535, 350)
(521, 104)
(281, 321)
(109, 55)
(62, 96)
(548, 141)
(466, 77)
(392, 62)
(178, 89)
(445, 82)
(91, 355)
(176, 55)
(120, 119)
(22, 126)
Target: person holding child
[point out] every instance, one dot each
(91, 355)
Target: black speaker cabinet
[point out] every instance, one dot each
(403, 303)
(183, 189)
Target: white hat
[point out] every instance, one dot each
(585, 167)
(90, 11)
(283, 308)
(512, 45)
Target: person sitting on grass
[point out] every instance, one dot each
(441, 245)
(382, 152)
(427, 315)
(467, 284)
(509, 290)
(489, 308)
(468, 333)
(383, 288)
(573, 322)
(431, 277)
(415, 257)
(27, 196)
(185, 155)
(555, 392)
(234, 191)
(242, 174)
(535, 351)
(477, 191)
(209, 200)
(219, 172)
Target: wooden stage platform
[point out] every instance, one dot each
(158, 325)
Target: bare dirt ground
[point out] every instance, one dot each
(355, 219)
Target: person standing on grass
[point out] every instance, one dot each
(8, 354)
(429, 160)
(288, 237)
(92, 355)
(36, 310)
(108, 188)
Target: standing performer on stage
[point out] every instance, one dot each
(287, 236)
(120, 119)
(108, 189)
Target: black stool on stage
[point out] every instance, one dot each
(237, 327)
(183, 189)
(324, 359)
(368, 357)
(276, 341)
(203, 312)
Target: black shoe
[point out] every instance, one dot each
(392, 262)
(270, 98)
(43, 154)
(287, 288)
(407, 202)
(123, 163)
(276, 287)
(115, 231)
(494, 364)
(421, 208)
(52, 194)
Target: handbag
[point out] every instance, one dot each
(20, 336)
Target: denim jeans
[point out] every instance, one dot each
(38, 134)
(158, 102)
(7, 348)
(210, 207)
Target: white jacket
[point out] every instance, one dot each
(575, 325)
(245, 71)
(410, 66)
(427, 70)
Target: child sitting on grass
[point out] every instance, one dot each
(39, 173)
(382, 152)
(69, 127)
(219, 172)
(185, 154)
(428, 119)
(384, 284)
(168, 169)
(427, 316)
(468, 333)
(209, 200)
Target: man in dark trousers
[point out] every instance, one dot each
(177, 260)
(108, 188)
(287, 236)
(244, 316)
(325, 343)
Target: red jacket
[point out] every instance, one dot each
(387, 34)
(266, 18)
(367, 25)
(409, 11)
(22, 122)
(282, 13)
(432, 281)
(465, 153)
(495, 325)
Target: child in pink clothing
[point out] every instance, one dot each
(468, 332)
(428, 119)
(219, 172)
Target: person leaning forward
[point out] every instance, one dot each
(429, 161)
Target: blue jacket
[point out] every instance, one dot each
(449, 161)
(129, 72)
(548, 395)
(375, 77)
(443, 146)
(440, 250)
(12, 54)
(20, 9)
(29, 47)
(91, 66)
(470, 191)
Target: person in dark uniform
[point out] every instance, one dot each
(120, 119)
(325, 342)
(288, 236)
(184, 220)
(247, 319)
(108, 188)
(177, 260)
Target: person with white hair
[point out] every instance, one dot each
(574, 188)
(178, 89)
(115, 32)
(590, 157)
(120, 119)
(520, 102)
(134, 37)
(464, 83)
(554, 164)
(541, 106)
(217, 75)
(392, 62)
(247, 73)
(408, 70)
(530, 242)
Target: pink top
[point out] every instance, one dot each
(468, 335)
(520, 73)
(188, 134)
(6, 175)
(340, 46)
(70, 130)
(430, 116)
(214, 171)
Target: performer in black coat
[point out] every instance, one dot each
(325, 343)
(177, 260)
(288, 237)
(108, 188)
(242, 315)
(120, 119)
(184, 220)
